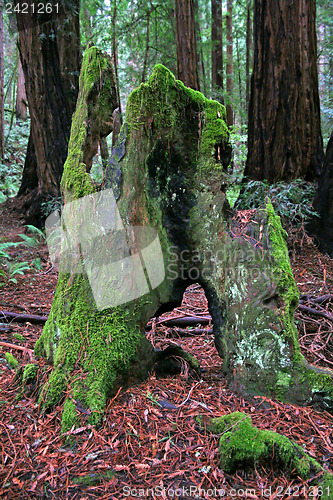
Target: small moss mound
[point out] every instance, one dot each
(18, 336)
(11, 360)
(29, 374)
(243, 445)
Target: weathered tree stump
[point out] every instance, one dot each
(168, 173)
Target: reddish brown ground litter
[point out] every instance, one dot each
(150, 445)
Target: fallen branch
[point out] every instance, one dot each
(22, 318)
(185, 320)
(310, 310)
(17, 347)
(316, 300)
(5, 328)
(194, 331)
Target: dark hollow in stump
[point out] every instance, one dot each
(168, 173)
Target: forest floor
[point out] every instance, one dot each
(150, 445)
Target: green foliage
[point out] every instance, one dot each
(52, 205)
(36, 238)
(11, 360)
(291, 201)
(11, 168)
(9, 270)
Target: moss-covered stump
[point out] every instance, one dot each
(244, 446)
(168, 175)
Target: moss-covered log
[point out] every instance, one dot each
(242, 446)
(168, 173)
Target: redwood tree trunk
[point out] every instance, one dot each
(284, 135)
(50, 59)
(21, 98)
(2, 111)
(322, 226)
(249, 39)
(187, 66)
(114, 57)
(230, 65)
(217, 50)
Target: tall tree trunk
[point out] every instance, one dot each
(187, 69)
(145, 61)
(114, 58)
(230, 65)
(2, 104)
(217, 50)
(29, 181)
(239, 83)
(284, 135)
(21, 97)
(321, 226)
(49, 54)
(249, 40)
(200, 56)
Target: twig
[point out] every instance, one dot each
(183, 320)
(310, 310)
(194, 331)
(316, 300)
(22, 318)
(17, 347)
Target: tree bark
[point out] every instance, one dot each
(145, 61)
(230, 65)
(321, 226)
(217, 50)
(21, 98)
(249, 40)
(50, 59)
(29, 183)
(284, 135)
(172, 222)
(119, 116)
(187, 68)
(2, 104)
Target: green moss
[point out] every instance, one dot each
(11, 360)
(92, 479)
(69, 416)
(242, 445)
(53, 390)
(18, 336)
(29, 374)
(76, 181)
(164, 100)
(283, 274)
(313, 382)
(102, 343)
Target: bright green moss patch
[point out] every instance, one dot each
(283, 274)
(243, 445)
(53, 390)
(29, 374)
(11, 360)
(18, 336)
(95, 104)
(92, 479)
(164, 100)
